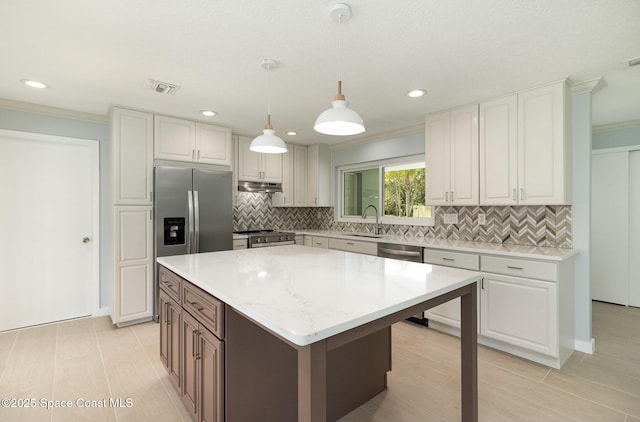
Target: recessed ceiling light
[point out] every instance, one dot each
(634, 62)
(208, 113)
(416, 93)
(33, 84)
(292, 133)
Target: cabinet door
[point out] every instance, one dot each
(520, 311)
(248, 161)
(542, 159)
(318, 176)
(164, 328)
(300, 176)
(271, 166)
(437, 160)
(285, 198)
(210, 356)
(499, 151)
(132, 157)
(175, 139)
(213, 144)
(188, 370)
(174, 322)
(464, 185)
(133, 262)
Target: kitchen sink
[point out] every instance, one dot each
(375, 236)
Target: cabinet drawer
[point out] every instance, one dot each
(239, 244)
(170, 283)
(369, 248)
(320, 242)
(205, 308)
(452, 259)
(520, 267)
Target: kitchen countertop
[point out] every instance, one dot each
(514, 251)
(308, 294)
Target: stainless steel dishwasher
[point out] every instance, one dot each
(404, 253)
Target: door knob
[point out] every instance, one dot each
(86, 240)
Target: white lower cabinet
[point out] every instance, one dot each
(447, 315)
(367, 248)
(520, 311)
(133, 256)
(526, 306)
(316, 241)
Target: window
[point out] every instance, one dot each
(395, 187)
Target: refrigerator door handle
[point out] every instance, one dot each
(196, 218)
(190, 233)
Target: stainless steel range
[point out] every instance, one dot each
(266, 238)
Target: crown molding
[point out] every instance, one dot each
(409, 130)
(591, 86)
(616, 126)
(51, 111)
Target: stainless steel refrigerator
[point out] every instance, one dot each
(193, 213)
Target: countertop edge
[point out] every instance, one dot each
(483, 248)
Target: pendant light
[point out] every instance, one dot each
(339, 120)
(268, 142)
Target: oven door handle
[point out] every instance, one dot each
(266, 245)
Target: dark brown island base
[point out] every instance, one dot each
(227, 367)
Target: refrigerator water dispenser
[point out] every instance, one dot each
(174, 230)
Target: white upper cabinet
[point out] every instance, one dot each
(213, 144)
(451, 157)
(184, 140)
(319, 176)
(499, 151)
(525, 148)
(132, 157)
(285, 198)
(544, 153)
(257, 167)
(300, 176)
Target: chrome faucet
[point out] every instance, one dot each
(364, 216)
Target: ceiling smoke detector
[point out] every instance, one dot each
(161, 87)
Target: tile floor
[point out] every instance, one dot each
(92, 365)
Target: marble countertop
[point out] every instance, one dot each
(308, 294)
(514, 251)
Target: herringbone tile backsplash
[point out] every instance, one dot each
(548, 225)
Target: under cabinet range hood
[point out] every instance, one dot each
(259, 187)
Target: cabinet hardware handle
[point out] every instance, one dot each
(193, 154)
(514, 195)
(514, 268)
(193, 343)
(197, 348)
(448, 259)
(166, 313)
(446, 196)
(198, 154)
(521, 194)
(482, 283)
(350, 243)
(451, 196)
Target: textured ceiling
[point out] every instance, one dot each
(94, 54)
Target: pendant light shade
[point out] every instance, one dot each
(339, 120)
(268, 142)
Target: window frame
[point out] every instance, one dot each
(380, 164)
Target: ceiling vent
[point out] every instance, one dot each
(161, 87)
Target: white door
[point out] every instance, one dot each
(634, 228)
(49, 216)
(610, 227)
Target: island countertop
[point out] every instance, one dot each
(309, 294)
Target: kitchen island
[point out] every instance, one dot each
(319, 317)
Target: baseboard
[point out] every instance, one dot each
(101, 312)
(585, 346)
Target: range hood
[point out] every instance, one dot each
(259, 187)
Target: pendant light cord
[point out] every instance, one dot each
(339, 96)
(268, 126)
